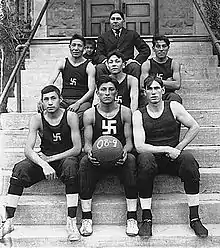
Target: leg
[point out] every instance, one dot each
(147, 170)
(189, 174)
(88, 178)
(172, 96)
(133, 69)
(24, 174)
(101, 69)
(128, 174)
(68, 175)
(83, 107)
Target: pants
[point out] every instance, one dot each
(149, 165)
(83, 107)
(26, 173)
(89, 175)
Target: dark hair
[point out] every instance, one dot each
(106, 79)
(48, 89)
(160, 37)
(149, 80)
(91, 42)
(116, 11)
(116, 53)
(78, 37)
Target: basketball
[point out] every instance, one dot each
(107, 150)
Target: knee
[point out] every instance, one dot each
(189, 169)
(146, 164)
(172, 96)
(134, 69)
(70, 171)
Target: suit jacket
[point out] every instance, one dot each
(129, 39)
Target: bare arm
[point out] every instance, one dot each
(187, 120)
(73, 122)
(133, 85)
(145, 68)
(126, 115)
(174, 83)
(88, 129)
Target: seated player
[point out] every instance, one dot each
(156, 137)
(163, 67)
(108, 118)
(60, 146)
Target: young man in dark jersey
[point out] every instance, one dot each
(156, 137)
(78, 76)
(163, 67)
(59, 132)
(128, 85)
(108, 118)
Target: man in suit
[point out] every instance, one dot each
(124, 41)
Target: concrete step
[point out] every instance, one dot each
(195, 61)
(14, 120)
(111, 185)
(111, 209)
(206, 136)
(111, 236)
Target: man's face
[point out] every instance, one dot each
(89, 49)
(76, 48)
(51, 101)
(154, 92)
(161, 49)
(116, 21)
(107, 93)
(115, 64)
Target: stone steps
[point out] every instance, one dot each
(111, 209)
(111, 236)
(206, 136)
(163, 184)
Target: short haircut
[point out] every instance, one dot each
(160, 37)
(78, 37)
(106, 79)
(91, 42)
(116, 11)
(149, 80)
(48, 89)
(116, 53)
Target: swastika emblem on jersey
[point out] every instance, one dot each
(160, 75)
(118, 99)
(73, 81)
(56, 137)
(109, 127)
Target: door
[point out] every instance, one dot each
(139, 15)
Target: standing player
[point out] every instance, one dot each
(108, 118)
(163, 67)
(60, 144)
(156, 137)
(128, 85)
(78, 76)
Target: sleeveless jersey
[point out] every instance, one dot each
(162, 70)
(55, 139)
(164, 130)
(104, 126)
(75, 80)
(123, 96)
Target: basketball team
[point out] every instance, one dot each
(130, 106)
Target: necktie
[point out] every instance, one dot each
(117, 32)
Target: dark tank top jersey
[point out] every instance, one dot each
(123, 93)
(75, 80)
(163, 70)
(104, 126)
(164, 130)
(55, 139)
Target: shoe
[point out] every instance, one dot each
(145, 228)
(198, 228)
(86, 228)
(6, 227)
(132, 228)
(72, 230)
